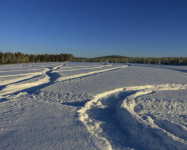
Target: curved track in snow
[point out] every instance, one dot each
(89, 73)
(47, 77)
(23, 83)
(81, 68)
(21, 77)
(140, 131)
(111, 117)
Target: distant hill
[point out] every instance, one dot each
(111, 57)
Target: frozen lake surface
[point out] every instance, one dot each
(88, 106)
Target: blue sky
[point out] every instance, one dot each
(91, 28)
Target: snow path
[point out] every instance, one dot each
(88, 74)
(50, 76)
(12, 87)
(18, 87)
(139, 129)
(18, 70)
(83, 68)
(93, 126)
(25, 76)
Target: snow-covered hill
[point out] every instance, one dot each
(93, 106)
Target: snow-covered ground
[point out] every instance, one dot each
(87, 106)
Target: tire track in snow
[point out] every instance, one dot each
(53, 70)
(12, 88)
(88, 73)
(50, 78)
(83, 68)
(93, 126)
(18, 70)
(144, 133)
(25, 76)
(58, 67)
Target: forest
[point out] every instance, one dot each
(18, 57)
(143, 60)
(12, 58)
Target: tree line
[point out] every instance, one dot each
(18, 57)
(12, 58)
(143, 60)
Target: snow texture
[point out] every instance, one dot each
(93, 106)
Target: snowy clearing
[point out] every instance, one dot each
(93, 106)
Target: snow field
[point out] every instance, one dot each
(87, 113)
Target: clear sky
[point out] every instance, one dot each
(90, 28)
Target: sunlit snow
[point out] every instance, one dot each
(74, 105)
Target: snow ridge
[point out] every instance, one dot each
(12, 87)
(25, 76)
(94, 127)
(89, 73)
(141, 130)
(82, 68)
